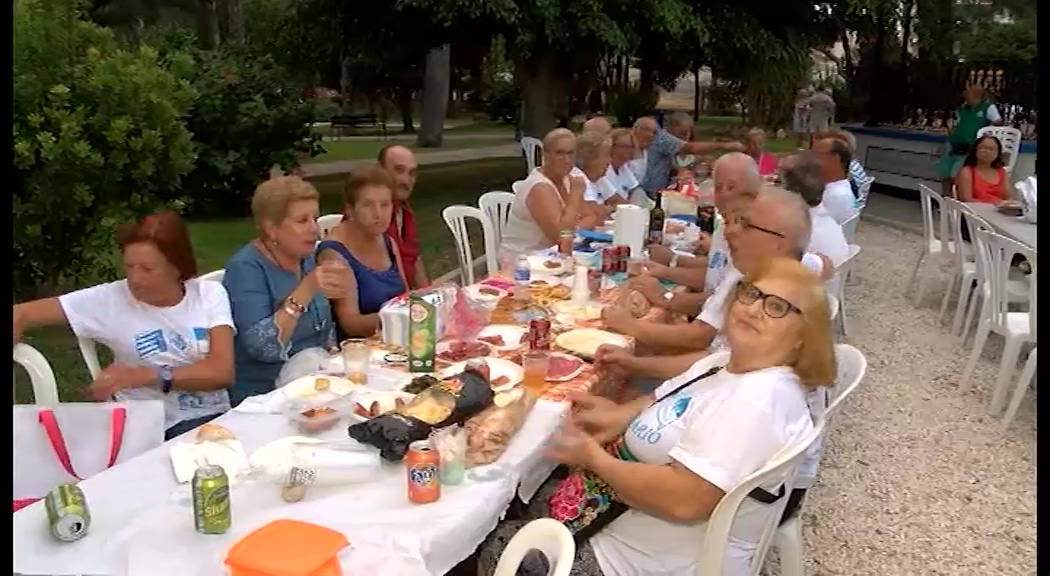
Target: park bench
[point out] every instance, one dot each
(341, 125)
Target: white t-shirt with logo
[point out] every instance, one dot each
(723, 428)
(597, 191)
(142, 335)
(622, 182)
(826, 238)
(719, 261)
(639, 164)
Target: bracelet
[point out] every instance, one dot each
(293, 308)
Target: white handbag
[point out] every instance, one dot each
(66, 443)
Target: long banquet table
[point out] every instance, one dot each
(1010, 226)
(142, 519)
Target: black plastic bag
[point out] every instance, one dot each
(451, 401)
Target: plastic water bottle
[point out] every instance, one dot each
(522, 276)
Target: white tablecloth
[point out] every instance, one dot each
(142, 519)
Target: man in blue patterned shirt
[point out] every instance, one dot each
(670, 141)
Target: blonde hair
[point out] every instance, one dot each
(589, 145)
(272, 198)
(550, 141)
(621, 133)
(815, 362)
(756, 131)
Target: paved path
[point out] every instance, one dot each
(399, 136)
(314, 169)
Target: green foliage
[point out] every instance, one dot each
(630, 103)
(503, 103)
(247, 117)
(98, 139)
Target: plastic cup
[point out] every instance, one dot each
(357, 357)
(535, 364)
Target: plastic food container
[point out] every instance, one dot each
(285, 547)
(317, 413)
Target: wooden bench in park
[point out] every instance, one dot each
(342, 125)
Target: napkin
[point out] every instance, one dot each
(271, 403)
(229, 454)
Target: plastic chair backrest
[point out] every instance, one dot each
(1010, 139)
(89, 351)
(326, 223)
(548, 536)
(934, 225)
(782, 468)
(1000, 252)
(849, 227)
(842, 270)
(41, 376)
(852, 367)
(953, 210)
(456, 219)
(215, 276)
(496, 206)
(533, 150)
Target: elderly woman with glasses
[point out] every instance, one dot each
(697, 437)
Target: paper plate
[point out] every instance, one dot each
(589, 311)
(497, 367)
(584, 342)
(511, 335)
(305, 387)
(537, 263)
(443, 347)
(484, 293)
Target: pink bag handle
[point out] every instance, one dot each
(118, 418)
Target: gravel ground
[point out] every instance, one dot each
(917, 479)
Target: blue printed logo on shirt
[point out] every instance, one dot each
(201, 341)
(718, 260)
(667, 413)
(150, 343)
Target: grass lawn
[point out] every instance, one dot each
(336, 150)
(215, 241)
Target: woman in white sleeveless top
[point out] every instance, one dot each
(548, 200)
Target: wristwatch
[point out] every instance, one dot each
(165, 378)
(668, 296)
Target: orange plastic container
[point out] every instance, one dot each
(287, 548)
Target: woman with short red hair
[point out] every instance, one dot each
(171, 334)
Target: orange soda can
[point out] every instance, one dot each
(422, 464)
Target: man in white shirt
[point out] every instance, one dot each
(619, 176)
(644, 130)
(839, 199)
(802, 174)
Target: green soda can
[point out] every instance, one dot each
(68, 516)
(211, 499)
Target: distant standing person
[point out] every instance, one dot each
(671, 141)
(821, 112)
(401, 164)
(975, 113)
(801, 119)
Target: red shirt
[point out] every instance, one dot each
(988, 192)
(407, 239)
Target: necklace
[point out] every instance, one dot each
(273, 256)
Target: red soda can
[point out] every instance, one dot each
(609, 256)
(423, 466)
(594, 283)
(539, 334)
(623, 254)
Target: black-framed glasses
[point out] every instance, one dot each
(745, 222)
(772, 305)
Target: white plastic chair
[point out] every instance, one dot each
(841, 273)
(496, 205)
(215, 276)
(964, 269)
(456, 219)
(41, 376)
(783, 468)
(1017, 288)
(833, 307)
(533, 150)
(937, 243)
(994, 254)
(788, 538)
(1010, 138)
(1020, 389)
(89, 351)
(548, 536)
(326, 223)
(849, 227)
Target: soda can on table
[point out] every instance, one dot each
(594, 283)
(539, 335)
(623, 254)
(211, 499)
(68, 517)
(423, 468)
(609, 256)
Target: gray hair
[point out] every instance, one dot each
(598, 125)
(645, 120)
(743, 161)
(679, 119)
(801, 173)
(792, 215)
(589, 144)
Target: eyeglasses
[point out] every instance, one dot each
(745, 222)
(772, 305)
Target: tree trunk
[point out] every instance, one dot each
(696, 93)
(207, 25)
(404, 107)
(437, 76)
(875, 105)
(538, 79)
(906, 25)
(231, 19)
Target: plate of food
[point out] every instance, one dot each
(1010, 207)
(503, 374)
(484, 293)
(545, 295)
(544, 264)
(589, 311)
(584, 342)
(373, 404)
(563, 367)
(512, 311)
(309, 386)
(503, 337)
(453, 351)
